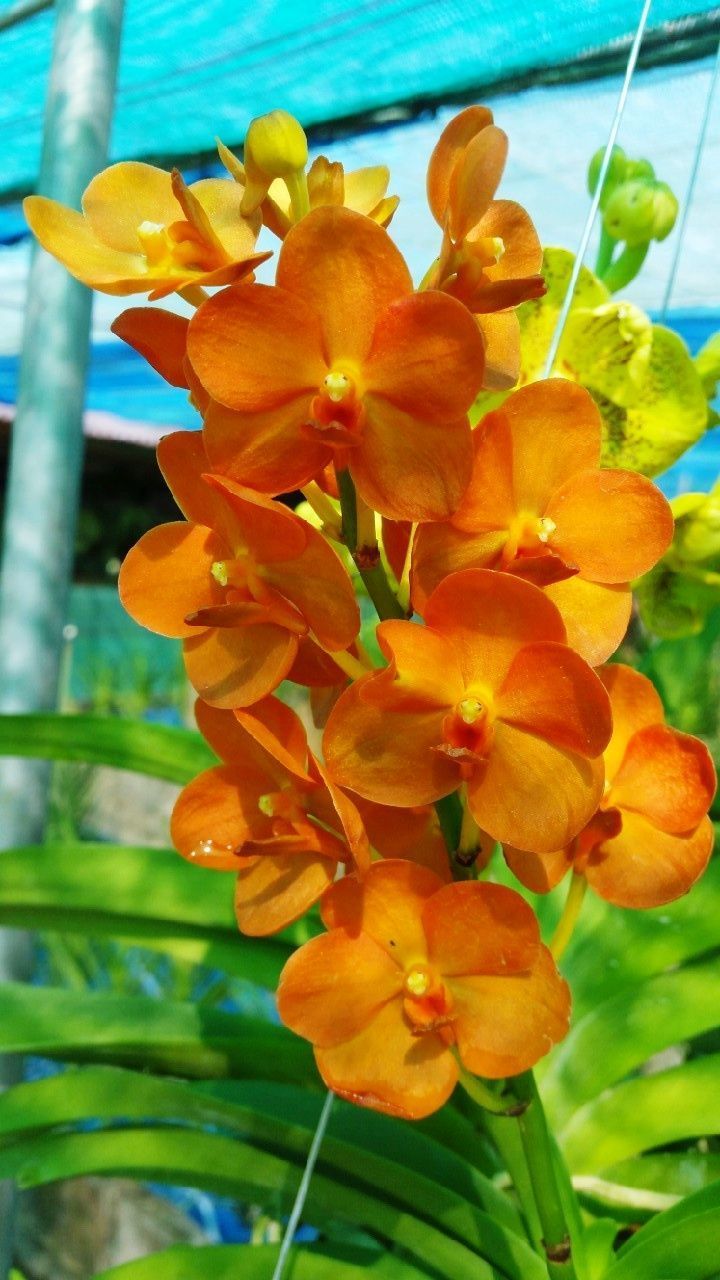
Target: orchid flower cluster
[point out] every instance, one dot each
(499, 560)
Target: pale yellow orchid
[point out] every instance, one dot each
(144, 230)
(362, 190)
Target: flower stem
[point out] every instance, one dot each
(483, 1095)
(404, 583)
(348, 508)
(297, 186)
(625, 268)
(450, 815)
(537, 1147)
(348, 663)
(469, 841)
(372, 574)
(324, 508)
(367, 543)
(194, 294)
(606, 248)
(570, 915)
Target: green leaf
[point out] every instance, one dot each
(155, 896)
(156, 1035)
(619, 1201)
(229, 1167)
(671, 1173)
(647, 1111)
(256, 1262)
(614, 950)
(683, 1242)
(153, 749)
(598, 1240)
(623, 1032)
(382, 1153)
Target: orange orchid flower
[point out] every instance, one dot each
(486, 694)
(540, 506)
(362, 190)
(267, 813)
(341, 362)
(413, 972)
(242, 580)
(650, 838)
(491, 255)
(143, 230)
(411, 834)
(160, 337)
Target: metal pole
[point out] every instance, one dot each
(47, 440)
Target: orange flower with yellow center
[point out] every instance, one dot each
(267, 813)
(242, 581)
(491, 255)
(143, 230)
(489, 694)
(540, 506)
(650, 838)
(341, 362)
(413, 972)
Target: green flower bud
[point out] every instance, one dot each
(630, 213)
(639, 169)
(639, 211)
(617, 172)
(666, 211)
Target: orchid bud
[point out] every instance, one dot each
(275, 147)
(639, 211)
(617, 172)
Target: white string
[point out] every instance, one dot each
(595, 205)
(302, 1190)
(691, 188)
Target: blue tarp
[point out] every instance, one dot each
(208, 68)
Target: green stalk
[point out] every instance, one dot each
(625, 268)
(450, 815)
(380, 592)
(540, 1162)
(348, 509)
(606, 248)
(373, 575)
(503, 1132)
(570, 915)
